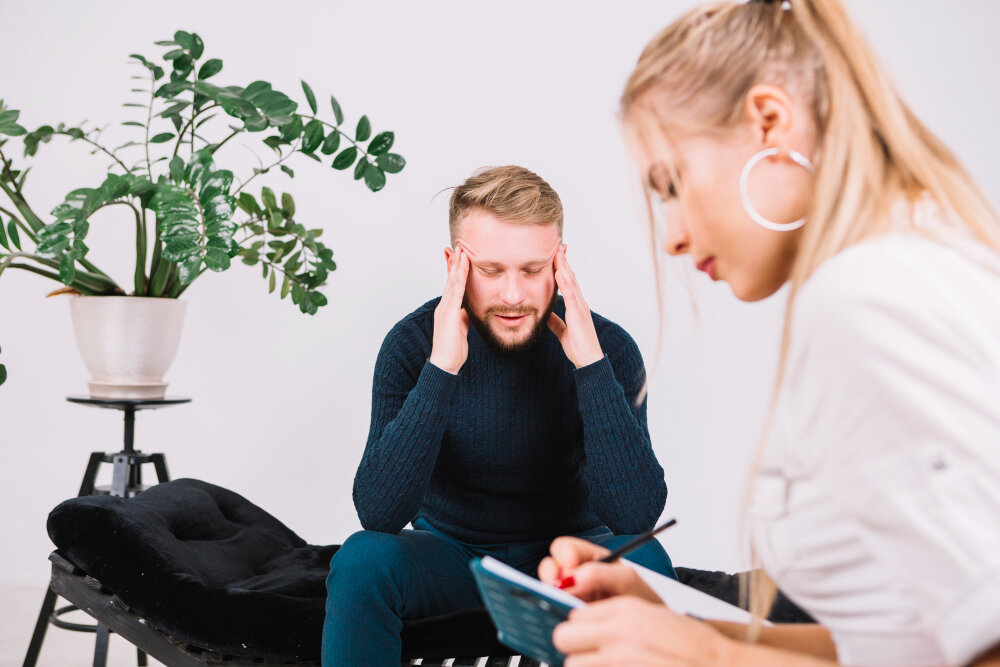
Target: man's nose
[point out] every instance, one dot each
(512, 291)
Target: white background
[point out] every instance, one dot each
(281, 400)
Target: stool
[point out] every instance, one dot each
(126, 482)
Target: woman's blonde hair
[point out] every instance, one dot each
(872, 151)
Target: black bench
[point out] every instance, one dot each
(194, 574)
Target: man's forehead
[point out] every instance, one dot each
(487, 255)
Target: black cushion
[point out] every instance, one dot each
(210, 568)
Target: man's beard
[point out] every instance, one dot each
(500, 345)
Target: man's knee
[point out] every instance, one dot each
(367, 558)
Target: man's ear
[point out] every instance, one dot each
(448, 252)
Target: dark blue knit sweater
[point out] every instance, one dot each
(515, 448)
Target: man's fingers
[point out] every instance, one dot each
(557, 325)
(458, 273)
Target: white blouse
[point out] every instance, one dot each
(877, 506)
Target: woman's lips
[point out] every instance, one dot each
(708, 266)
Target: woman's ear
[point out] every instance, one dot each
(771, 115)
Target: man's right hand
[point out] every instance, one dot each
(450, 347)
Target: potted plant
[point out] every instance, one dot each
(191, 214)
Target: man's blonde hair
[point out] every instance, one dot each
(511, 193)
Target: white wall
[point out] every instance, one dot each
(281, 400)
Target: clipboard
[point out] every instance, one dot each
(524, 610)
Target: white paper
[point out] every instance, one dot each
(686, 600)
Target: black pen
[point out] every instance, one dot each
(636, 542)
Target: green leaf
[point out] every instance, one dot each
(174, 55)
(381, 143)
(288, 170)
(364, 129)
(313, 136)
(359, 168)
(3, 373)
(248, 203)
(288, 204)
(197, 46)
(184, 39)
(187, 270)
(177, 169)
(331, 143)
(267, 197)
(162, 137)
(133, 123)
(210, 68)
(346, 158)
(374, 178)
(216, 259)
(390, 163)
(285, 284)
(310, 98)
(337, 113)
(13, 235)
(270, 283)
(3, 236)
(67, 268)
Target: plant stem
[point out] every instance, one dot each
(102, 149)
(223, 142)
(140, 252)
(149, 120)
(180, 135)
(28, 231)
(268, 167)
(19, 202)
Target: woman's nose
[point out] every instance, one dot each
(676, 241)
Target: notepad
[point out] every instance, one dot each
(525, 610)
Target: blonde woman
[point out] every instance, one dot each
(781, 153)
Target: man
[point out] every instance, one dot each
(503, 416)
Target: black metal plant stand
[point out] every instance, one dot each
(126, 482)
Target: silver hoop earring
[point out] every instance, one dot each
(798, 158)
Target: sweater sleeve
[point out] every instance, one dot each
(623, 477)
(410, 400)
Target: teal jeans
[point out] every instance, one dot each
(377, 580)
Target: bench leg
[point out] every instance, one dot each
(141, 657)
(48, 604)
(101, 646)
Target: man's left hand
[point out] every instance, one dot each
(577, 334)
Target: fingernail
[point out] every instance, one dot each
(566, 582)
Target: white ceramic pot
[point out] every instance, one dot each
(127, 342)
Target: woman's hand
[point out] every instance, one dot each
(630, 631)
(573, 567)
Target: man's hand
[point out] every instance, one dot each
(577, 334)
(450, 347)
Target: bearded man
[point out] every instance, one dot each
(503, 416)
